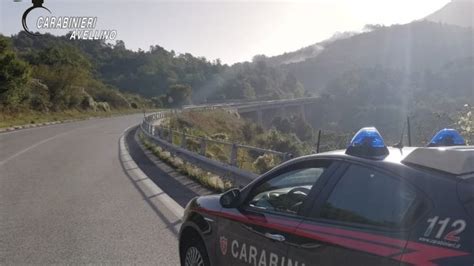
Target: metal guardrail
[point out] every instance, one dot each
(178, 144)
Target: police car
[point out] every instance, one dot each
(367, 205)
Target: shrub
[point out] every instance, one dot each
(220, 136)
(39, 100)
(103, 106)
(14, 76)
(278, 141)
(264, 163)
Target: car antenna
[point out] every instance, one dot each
(399, 145)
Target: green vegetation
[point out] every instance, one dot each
(465, 122)
(14, 76)
(256, 80)
(294, 124)
(381, 76)
(52, 74)
(291, 135)
(376, 78)
(218, 124)
(222, 125)
(410, 48)
(55, 82)
(287, 133)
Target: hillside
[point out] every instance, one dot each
(157, 73)
(286, 135)
(54, 79)
(422, 69)
(148, 73)
(294, 57)
(305, 53)
(457, 12)
(414, 47)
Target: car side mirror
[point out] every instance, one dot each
(230, 198)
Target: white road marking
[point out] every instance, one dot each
(148, 187)
(36, 145)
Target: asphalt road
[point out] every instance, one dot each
(65, 198)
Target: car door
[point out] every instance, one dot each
(256, 232)
(361, 218)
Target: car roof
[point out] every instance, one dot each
(395, 155)
(457, 161)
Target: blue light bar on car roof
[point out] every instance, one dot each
(447, 137)
(367, 143)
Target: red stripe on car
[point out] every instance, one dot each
(416, 253)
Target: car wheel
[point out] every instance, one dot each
(194, 253)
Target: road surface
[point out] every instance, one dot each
(65, 198)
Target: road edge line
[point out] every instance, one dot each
(137, 174)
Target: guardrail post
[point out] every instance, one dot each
(183, 140)
(203, 147)
(233, 155)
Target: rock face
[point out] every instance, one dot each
(457, 12)
(88, 103)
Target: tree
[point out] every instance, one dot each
(466, 124)
(64, 70)
(179, 95)
(302, 129)
(278, 141)
(64, 85)
(283, 124)
(294, 124)
(39, 97)
(14, 76)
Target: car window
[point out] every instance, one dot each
(285, 192)
(365, 196)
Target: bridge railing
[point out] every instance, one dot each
(230, 160)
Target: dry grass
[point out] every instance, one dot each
(210, 123)
(206, 179)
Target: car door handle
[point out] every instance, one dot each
(275, 237)
(311, 246)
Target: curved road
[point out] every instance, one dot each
(65, 198)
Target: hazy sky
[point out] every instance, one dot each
(230, 30)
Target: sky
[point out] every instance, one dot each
(232, 31)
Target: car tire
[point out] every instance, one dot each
(194, 252)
